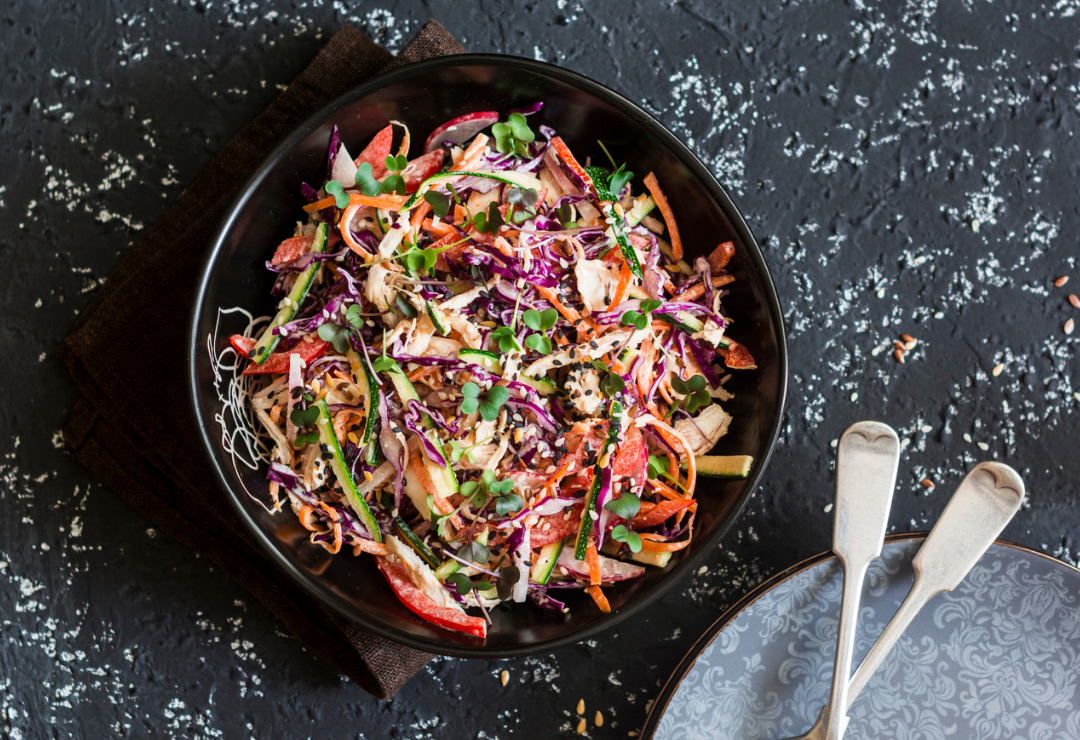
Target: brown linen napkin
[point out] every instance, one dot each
(127, 347)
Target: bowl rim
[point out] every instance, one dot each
(626, 106)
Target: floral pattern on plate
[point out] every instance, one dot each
(996, 659)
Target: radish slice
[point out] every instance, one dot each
(422, 168)
(376, 152)
(344, 171)
(461, 129)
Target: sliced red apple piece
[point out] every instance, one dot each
(460, 129)
(422, 168)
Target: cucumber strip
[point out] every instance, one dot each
(341, 472)
(545, 564)
(447, 569)
(290, 304)
(442, 478)
(645, 557)
(370, 389)
(543, 386)
(723, 466)
(438, 320)
(585, 530)
(487, 360)
(641, 208)
(415, 542)
(509, 177)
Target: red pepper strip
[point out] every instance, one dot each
(421, 169)
(242, 344)
(572, 164)
(663, 511)
(628, 458)
(278, 363)
(738, 357)
(419, 604)
(720, 256)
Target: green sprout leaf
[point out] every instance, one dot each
(493, 401)
(489, 222)
(461, 582)
(383, 364)
(504, 338)
(353, 315)
(620, 533)
(513, 135)
(618, 182)
(522, 197)
(440, 202)
(508, 576)
(625, 506)
(474, 552)
(394, 184)
(366, 182)
(487, 479)
(503, 487)
(471, 402)
(396, 164)
(650, 305)
(337, 189)
(306, 438)
(336, 334)
(538, 343)
(658, 466)
(508, 504)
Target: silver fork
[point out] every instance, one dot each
(985, 502)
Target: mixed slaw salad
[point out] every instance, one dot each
(491, 369)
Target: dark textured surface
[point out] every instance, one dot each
(909, 167)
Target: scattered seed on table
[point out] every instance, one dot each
(599, 719)
(908, 338)
(997, 369)
(1074, 300)
(504, 677)
(1061, 281)
(899, 346)
(983, 446)
(581, 727)
(927, 483)
(1069, 326)
(581, 706)
(911, 344)
(899, 355)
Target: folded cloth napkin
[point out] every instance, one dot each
(132, 426)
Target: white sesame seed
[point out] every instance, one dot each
(983, 446)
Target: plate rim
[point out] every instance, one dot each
(686, 664)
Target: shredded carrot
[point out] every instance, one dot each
(601, 600)
(370, 546)
(651, 543)
(621, 288)
(346, 232)
(663, 511)
(306, 516)
(472, 154)
(422, 372)
(665, 490)
(553, 298)
(669, 217)
(320, 204)
(444, 506)
(405, 140)
(460, 214)
(418, 217)
(336, 519)
(439, 230)
(696, 291)
(571, 163)
(388, 202)
(341, 422)
(593, 559)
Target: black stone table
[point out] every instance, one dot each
(910, 168)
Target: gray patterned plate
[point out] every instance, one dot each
(998, 658)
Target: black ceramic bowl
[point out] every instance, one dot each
(424, 95)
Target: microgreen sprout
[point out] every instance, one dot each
(640, 319)
(512, 136)
(337, 189)
(622, 533)
(487, 403)
(522, 201)
(366, 182)
(693, 390)
(304, 418)
(540, 322)
(503, 337)
(610, 382)
(489, 222)
(440, 202)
